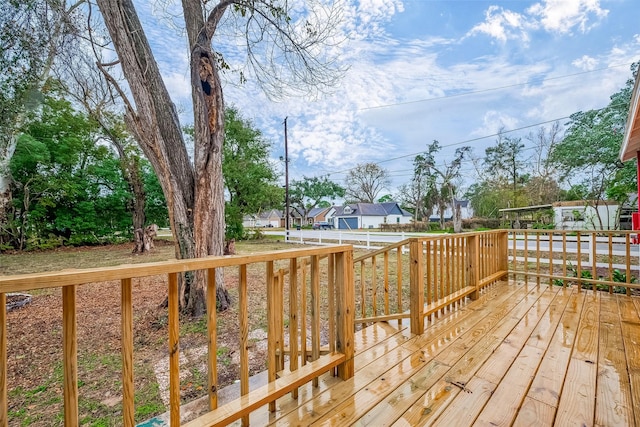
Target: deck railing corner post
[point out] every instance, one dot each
(473, 265)
(345, 312)
(416, 286)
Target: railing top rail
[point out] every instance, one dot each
(554, 231)
(383, 250)
(424, 239)
(54, 279)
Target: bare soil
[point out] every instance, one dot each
(35, 368)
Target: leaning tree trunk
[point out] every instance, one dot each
(208, 111)
(156, 127)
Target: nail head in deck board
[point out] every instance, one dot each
(463, 411)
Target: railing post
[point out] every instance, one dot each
(128, 392)
(473, 265)
(271, 327)
(70, 354)
(174, 350)
(345, 312)
(504, 251)
(416, 286)
(4, 420)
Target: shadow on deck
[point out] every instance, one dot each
(519, 355)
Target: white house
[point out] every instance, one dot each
(466, 211)
(585, 215)
(367, 215)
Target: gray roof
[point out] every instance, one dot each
(372, 209)
(317, 211)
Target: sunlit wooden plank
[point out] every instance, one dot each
(70, 354)
(315, 311)
(4, 421)
(243, 314)
(294, 343)
(271, 325)
(126, 308)
(174, 350)
(212, 339)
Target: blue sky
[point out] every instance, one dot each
(421, 70)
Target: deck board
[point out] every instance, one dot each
(522, 354)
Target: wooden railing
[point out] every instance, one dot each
(421, 277)
(328, 280)
(595, 260)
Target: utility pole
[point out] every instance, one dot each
(286, 182)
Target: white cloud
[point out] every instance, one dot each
(502, 24)
(554, 16)
(562, 16)
(494, 121)
(586, 63)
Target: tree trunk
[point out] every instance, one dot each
(194, 197)
(457, 219)
(7, 149)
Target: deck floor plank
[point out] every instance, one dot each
(374, 412)
(422, 407)
(502, 408)
(520, 355)
(493, 370)
(547, 384)
(630, 323)
(613, 395)
(577, 403)
(441, 335)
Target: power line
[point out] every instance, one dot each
(453, 144)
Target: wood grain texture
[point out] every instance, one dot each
(174, 351)
(577, 403)
(26, 282)
(212, 340)
(70, 355)
(126, 308)
(613, 396)
(4, 421)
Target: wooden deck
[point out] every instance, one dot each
(519, 355)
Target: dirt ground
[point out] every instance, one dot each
(35, 334)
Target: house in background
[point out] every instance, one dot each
(568, 215)
(586, 215)
(466, 211)
(367, 215)
(269, 218)
(249, 221)
(317, 215)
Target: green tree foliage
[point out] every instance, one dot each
(588, 155)
(32, 34)
(507, 165)
(250, 179)
(309, 193)
(441, 181)
(67, 188)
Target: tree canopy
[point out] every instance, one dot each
(365, 182)
(308, 193)
(250, 179)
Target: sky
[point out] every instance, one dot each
(456, 71)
